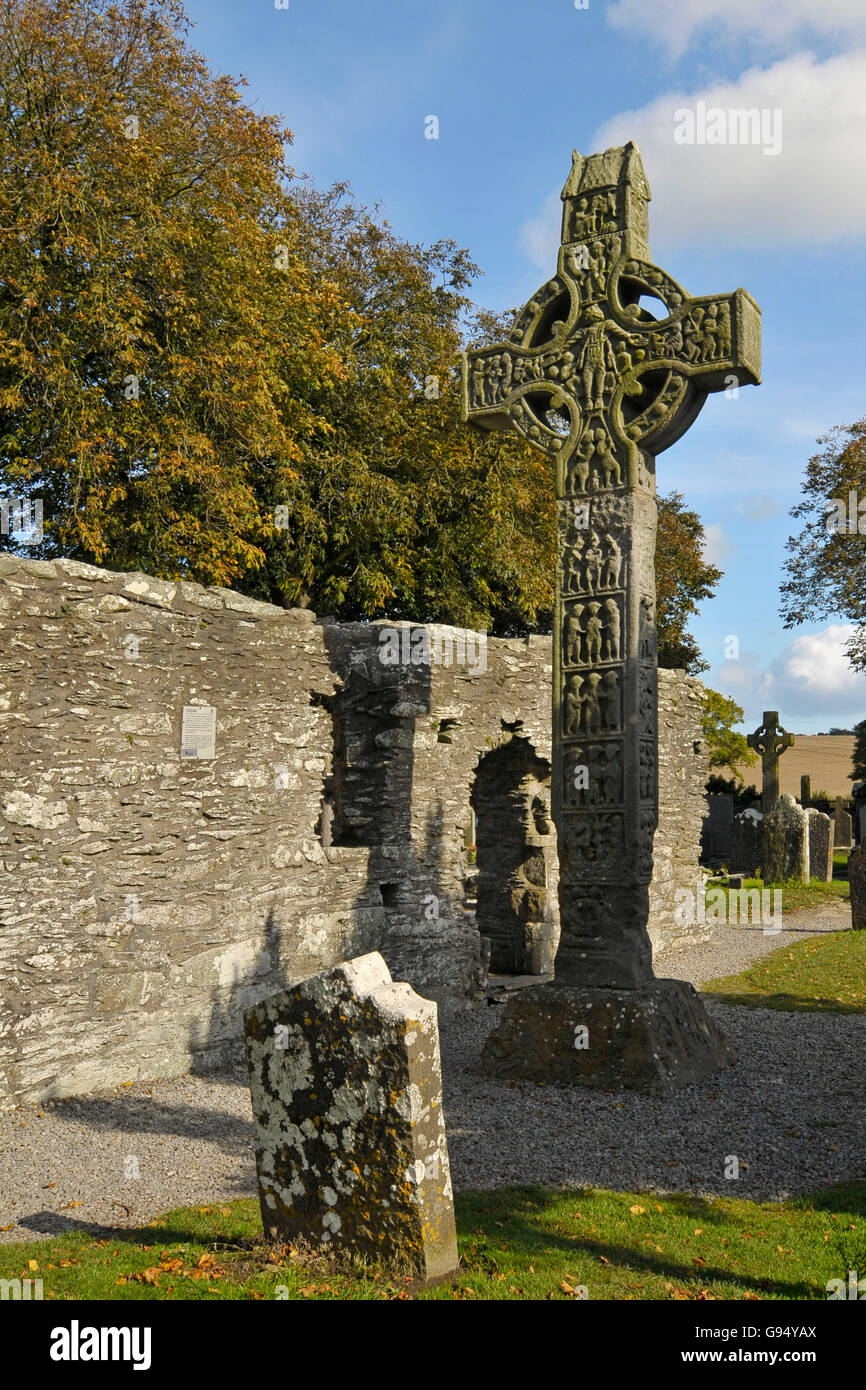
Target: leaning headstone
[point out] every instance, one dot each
(747, 839)
(350, 1140)
(820, 845)
(857, 884)
(599, 384)
(786, 843)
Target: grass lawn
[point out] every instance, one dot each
(517, 1243)
(823, 974)
(817, 893)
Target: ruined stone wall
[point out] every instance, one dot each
(146, 899)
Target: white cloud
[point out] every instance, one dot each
(814, 672)
(812, 193)
(675, 24)
(717, 544)
(810, 679)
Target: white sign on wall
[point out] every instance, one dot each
(198, 732)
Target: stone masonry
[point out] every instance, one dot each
(148, 899)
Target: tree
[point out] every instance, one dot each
(683, 579)
(727, 748)
(159, 334)
(401, 510)
(826, 564)
(858, 757)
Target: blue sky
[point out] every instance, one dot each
(515, 87)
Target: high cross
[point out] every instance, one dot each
(592, 376)
(770, 740)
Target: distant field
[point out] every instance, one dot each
(826, 758)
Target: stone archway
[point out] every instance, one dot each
(516, 859)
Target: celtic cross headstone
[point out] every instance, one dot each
(770, 740)
(602, 382)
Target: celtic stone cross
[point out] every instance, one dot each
(770, 740)
(602, 382)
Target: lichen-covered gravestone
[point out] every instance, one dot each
(608, 364)
(347, 1099)
(820, 845)
(785, 850)
(857, 886)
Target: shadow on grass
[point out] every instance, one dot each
(536, 1240)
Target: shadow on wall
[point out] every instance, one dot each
(408, 908)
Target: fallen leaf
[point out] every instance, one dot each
(31, 1264)
(637, 1211)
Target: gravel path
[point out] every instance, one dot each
(793, 1111)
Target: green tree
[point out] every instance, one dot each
(683, 579)
(826, 562)
(858, 757)
(727, 747)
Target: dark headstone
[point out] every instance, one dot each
(747, 840)
(716, 829)
(820, 845)
(857, 883)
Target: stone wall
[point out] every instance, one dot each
(147, 899)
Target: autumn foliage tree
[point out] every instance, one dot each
(211, 369)
(152, 353)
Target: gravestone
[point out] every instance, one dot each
(843, 826)
(857, 885)
(805, 789)
(771, 741)
(820, 845)
(785, 843)
(346, 1090)
(745, 852)
(590, 377)
(716, 829)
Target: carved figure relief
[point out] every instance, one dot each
(593, 638)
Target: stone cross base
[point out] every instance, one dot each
(655, 1038)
